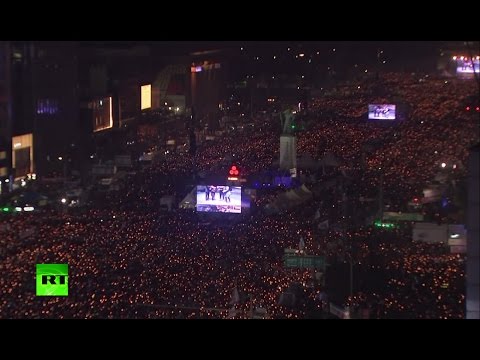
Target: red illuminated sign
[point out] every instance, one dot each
(234, 171)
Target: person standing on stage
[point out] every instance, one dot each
(227, 195)
(224, 192)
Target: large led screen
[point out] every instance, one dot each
(223, 198)
(467, 65)
(381, 112)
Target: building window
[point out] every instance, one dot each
(3, 171)
(17, 57)
(47, 106)
(22, 155)
(3, 155)
(23, 162)
(102, 114)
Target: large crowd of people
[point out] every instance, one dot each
(128, 260)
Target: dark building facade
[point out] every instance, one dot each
(208, 83)
(38, 107)
(473, 235)
(5, 116)
(54, 71)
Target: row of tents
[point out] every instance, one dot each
(289, 200)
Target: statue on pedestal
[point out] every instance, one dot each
(286, 120)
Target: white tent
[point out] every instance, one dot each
(189, 201)
(290, 199)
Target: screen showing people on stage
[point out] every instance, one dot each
(381, 112)
(219, 198)
(466, 65)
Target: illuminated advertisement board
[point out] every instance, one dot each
(146, 97)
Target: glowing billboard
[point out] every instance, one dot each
(381, 112)
(146, 97)
(211, 198)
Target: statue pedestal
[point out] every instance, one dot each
(288, 152)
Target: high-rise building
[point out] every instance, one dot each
(473, 235)
(208, 80)
(38, 107)
(5, 116)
